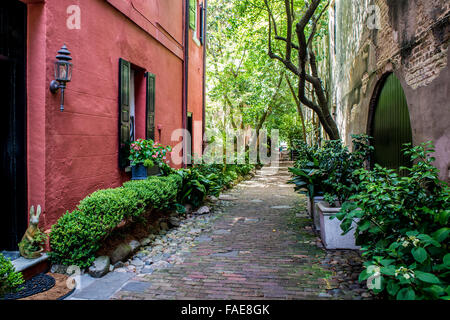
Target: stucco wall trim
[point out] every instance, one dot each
(134, 15)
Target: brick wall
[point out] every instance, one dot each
(411, 41)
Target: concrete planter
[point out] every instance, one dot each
(154, 171)
(313, 211)
(330, 230)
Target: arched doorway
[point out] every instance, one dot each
(389, 124)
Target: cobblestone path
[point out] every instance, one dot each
(258, 244)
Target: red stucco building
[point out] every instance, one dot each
(137, 65)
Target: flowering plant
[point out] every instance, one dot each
(147, 152)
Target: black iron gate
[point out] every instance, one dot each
(13, 195)
(391, 126)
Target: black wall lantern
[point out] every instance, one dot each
(63, 73)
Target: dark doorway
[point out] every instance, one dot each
(13, 195)
(190, 146)
(390, 124)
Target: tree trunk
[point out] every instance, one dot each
(299, 107)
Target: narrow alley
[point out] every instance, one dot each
(255, 244)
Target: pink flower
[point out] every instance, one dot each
(154, 156)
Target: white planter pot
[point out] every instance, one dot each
(314, 214)
(330, 230)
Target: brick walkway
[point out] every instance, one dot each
(254, 250)
(259, 246)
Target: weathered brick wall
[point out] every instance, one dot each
(413, 37)
(412, 41)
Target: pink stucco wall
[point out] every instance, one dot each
(195, 86)
(73, 153)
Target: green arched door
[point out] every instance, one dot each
(391, 126)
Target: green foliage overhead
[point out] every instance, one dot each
(241, 79)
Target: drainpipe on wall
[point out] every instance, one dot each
(205, 7)
(185, 77)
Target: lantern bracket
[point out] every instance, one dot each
(63, 57)
(54, 86)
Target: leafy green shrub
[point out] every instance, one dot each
(166, 170)
(329, 170)
(10, 280)
(195, 186)
(158, 192)
(306, 153)
(78, 235)
(338, 164)
(209, 179)
(403, 228)
(309, 179)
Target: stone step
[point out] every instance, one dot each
(31, 267)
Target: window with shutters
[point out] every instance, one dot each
(136, 107)
(150, 106)
(124, 112)
(202, 23)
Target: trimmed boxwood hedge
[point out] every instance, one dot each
(78, 235)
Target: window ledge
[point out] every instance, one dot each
(197, 42)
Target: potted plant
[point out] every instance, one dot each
(309, 178)
(330, 228)
(309, 181)
(340, 165)
(146, 156)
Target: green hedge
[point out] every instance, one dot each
(78, 235)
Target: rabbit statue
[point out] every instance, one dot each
(31, 245)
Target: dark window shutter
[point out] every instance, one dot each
(202, 23)
(193, 14)
(124, 112)
(150, 123)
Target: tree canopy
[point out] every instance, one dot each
(247, 87)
